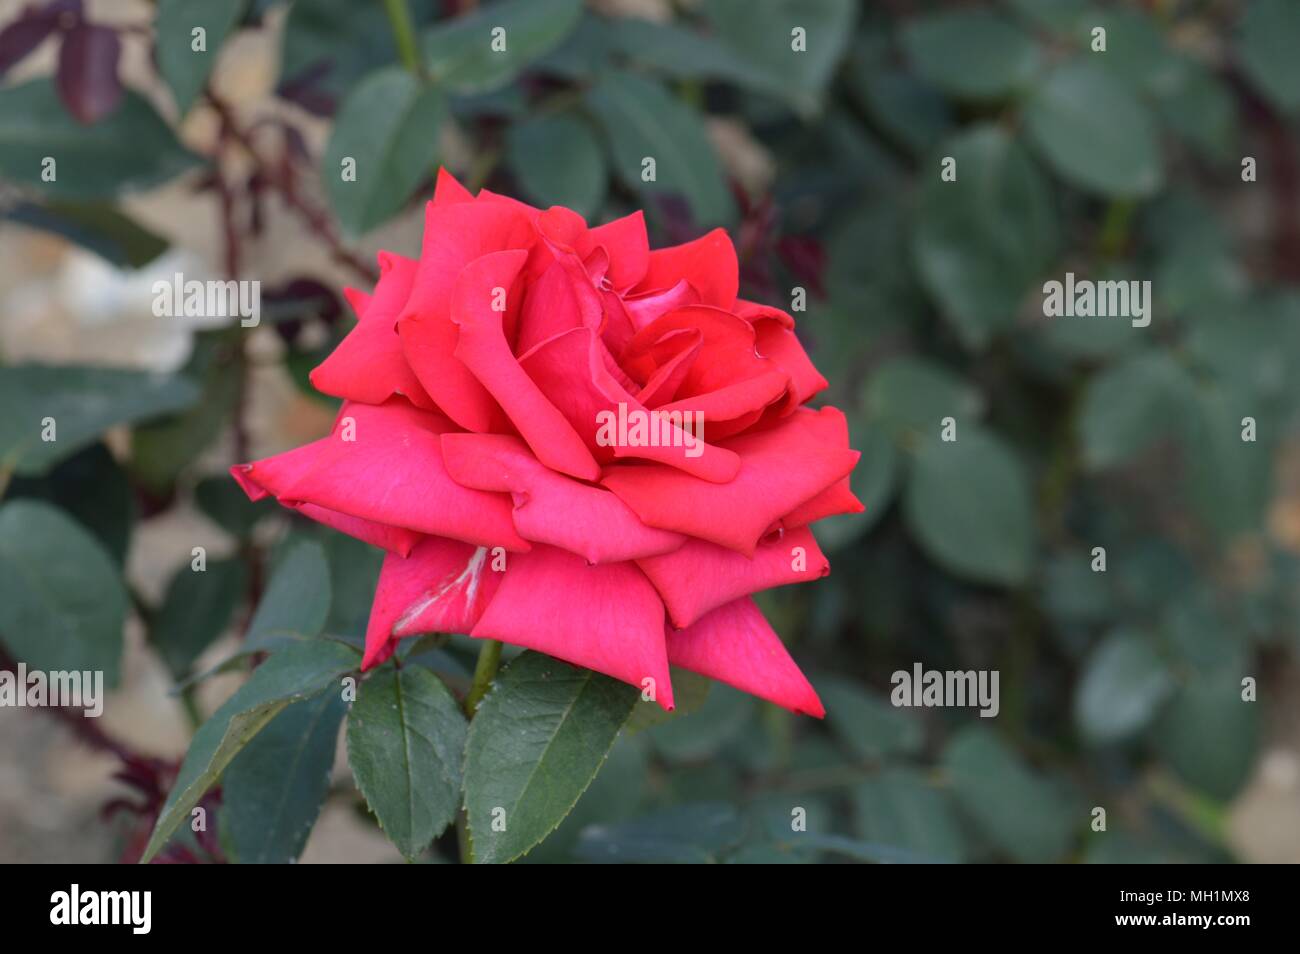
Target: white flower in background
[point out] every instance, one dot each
(91, 312)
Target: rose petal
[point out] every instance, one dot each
(605, 617)
(627, 245)
(736, 645)
(836, 499)
(701, 576)
(708, 263)
(732, 408)
(549, 507)
(393, 539)
(667, 379)
(448, 190)
(455, 235)
(780, 468)
(552, 305)
(442, 587)
(368, 365)
(776, 339)
(556, 366)
(727, 352)
(484, 351)
(390, 473)
(643, 309)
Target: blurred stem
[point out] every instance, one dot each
(489, 660)
(191, 705)
(399, 15)
(1197, 811)
(5, 474)
(462, 837)
(484, 164)
(1115, 229)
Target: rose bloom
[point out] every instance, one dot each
(474, 446)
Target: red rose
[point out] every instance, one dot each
(521, 431)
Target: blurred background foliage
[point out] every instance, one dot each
(1120, 688)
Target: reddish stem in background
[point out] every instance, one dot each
(280, 177)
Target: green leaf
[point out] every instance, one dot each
(908, 111)
(618, 793)
(1202, 109)
(83, 402)
(273, 790)
(1124, 683)
(1136, 51)
(298, 672)
(354, 576)
(537, 741)
(968, 504)
(161, 450)
(225, 504)
(185, 69)
(329, 45)
(641, 121)
(460, 53)
(1074, 592)
(62, 603)
(558, 161)
(297, 600)
(1026, 816)
(763, 35)
(406, 739)
(389, 126)
(1130, 406)
(700, 735)
(1266, 48)
(911, 396)
(873, 482)
(1209, 735)
(1229, 482)
(981, 242)
(196, 609)
(869, 726)
(1095, 132)
(685, 834)
(682, 53)
(973, 54)
(900, 808)
(97, 226)
(1064, 16)
(131, 149)
(92, 488)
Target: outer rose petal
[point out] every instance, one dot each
(607, 617)
(454, 235)
(397, 540)
(442, 587)
(449, 190)
(549, 507)
(708, 263)
(775, 339)
(392, 473)
(780, 469)
(734, 644)
(836, 499)
(368, 364)
(702, 576)
(484, 350)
